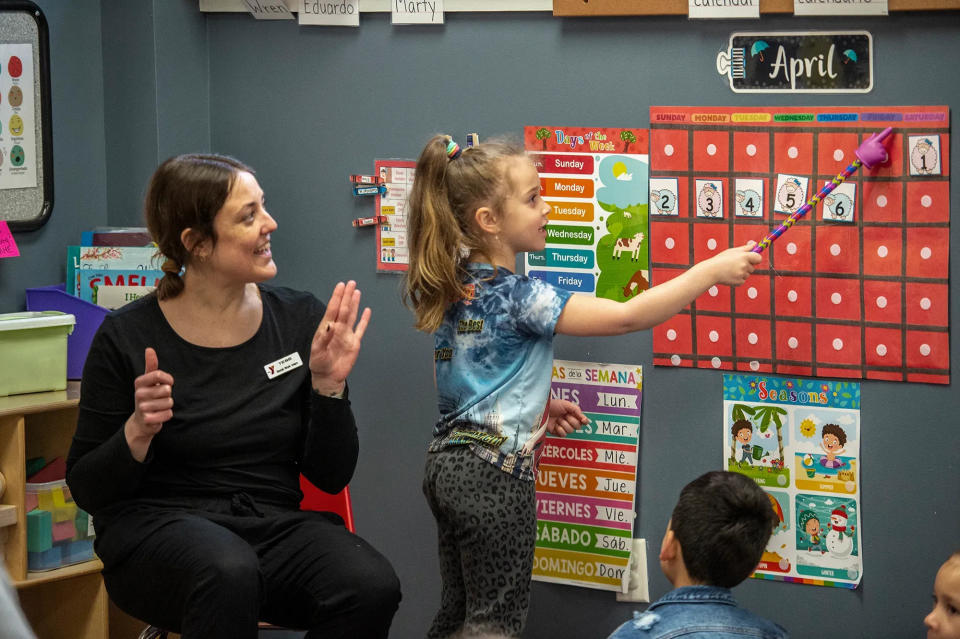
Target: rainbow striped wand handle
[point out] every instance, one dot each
(869, 154)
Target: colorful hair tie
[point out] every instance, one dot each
(453, 149)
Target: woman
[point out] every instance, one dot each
(201, 405)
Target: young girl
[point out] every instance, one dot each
(470, 213)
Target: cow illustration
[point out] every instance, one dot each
(637, 284)
(631, 244)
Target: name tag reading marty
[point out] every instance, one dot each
(283, 365)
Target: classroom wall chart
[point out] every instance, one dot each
(799, 439)
(858, 288)
(596, 181)
(18, 139)
(586, 481)
(397, 176)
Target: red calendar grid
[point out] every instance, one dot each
(861, 299)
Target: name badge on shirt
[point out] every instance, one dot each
(283, 365)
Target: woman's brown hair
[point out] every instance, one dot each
(186, 192)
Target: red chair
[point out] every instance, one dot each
(313, 499)
(316, 499)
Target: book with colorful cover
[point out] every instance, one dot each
(108, 257)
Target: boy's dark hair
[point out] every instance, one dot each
(722, 521)
(836, 431)
(739, 425)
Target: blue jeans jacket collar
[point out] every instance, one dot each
(694, 594)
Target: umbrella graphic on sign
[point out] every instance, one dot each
(850, 55)
(758, 47)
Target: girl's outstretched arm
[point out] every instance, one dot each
(593, 316)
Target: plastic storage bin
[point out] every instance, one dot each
(89, 317)
(33, 351)
(59, 533)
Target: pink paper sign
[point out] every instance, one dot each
(8, 248)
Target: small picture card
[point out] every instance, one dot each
(709, 198)
(749, 198)
(924, 154)
(663, 196)
(283, 365)
(791, 193)
(838, 205)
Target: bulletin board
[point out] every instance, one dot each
(26, 149)
(858, 288)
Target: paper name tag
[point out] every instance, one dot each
(283, 365)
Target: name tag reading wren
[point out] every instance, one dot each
(283, 365)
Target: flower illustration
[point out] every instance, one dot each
(808, 428)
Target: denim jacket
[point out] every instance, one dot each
(698, 611)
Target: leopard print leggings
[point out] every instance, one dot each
(487, 529)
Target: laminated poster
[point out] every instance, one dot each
(397, 176)
(799, 439)
(586, 481)
(596, 181)
(18, 125)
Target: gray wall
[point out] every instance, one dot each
(79, 164)
(308, 106)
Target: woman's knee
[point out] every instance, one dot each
(235, 569)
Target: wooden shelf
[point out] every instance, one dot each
(41, 402)
(37, 578)
(586, 8)
(69, 602)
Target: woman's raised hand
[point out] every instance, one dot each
(336, 344)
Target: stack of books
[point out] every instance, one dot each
(113, 266)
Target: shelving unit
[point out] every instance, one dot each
(70, 602)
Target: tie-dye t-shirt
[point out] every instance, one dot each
(493, 361)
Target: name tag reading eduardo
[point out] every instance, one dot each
(283, 365)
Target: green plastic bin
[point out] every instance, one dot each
(33, 351)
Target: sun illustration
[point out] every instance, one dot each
(808, 428)
(620, 171)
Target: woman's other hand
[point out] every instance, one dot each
(153, 400)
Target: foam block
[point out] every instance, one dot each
(39, 531)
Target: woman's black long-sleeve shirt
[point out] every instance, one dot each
(235, 430)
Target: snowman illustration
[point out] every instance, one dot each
(839, 540)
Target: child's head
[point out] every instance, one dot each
(722, 522)
(809, 522)
(457, 205)
(742, 430)
(943, 622)
(833, 436)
